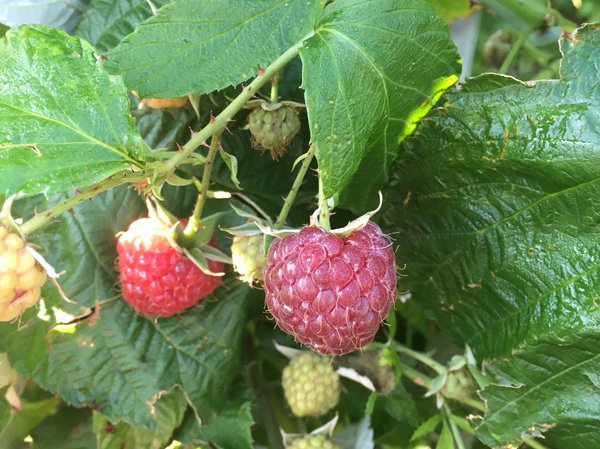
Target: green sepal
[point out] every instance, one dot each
(250, 228)
(212, 253)
(232, 163)
(207, 228)
(199, 259)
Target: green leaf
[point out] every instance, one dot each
(70, 428)
(451, 10)
(427, 427)
(169, 411)
(65, 121)
(371, 71)
(549, 383)
(117, 361)
(20, 423)
(193, 46)
(493, 201)
(106, 22)
(229, 429)
(356, 436)
(445, 440)
(3, 29)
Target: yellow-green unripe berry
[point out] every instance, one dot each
(248, 256)
(273, 130)
(21, 278)
(311, 385)
(313, 442)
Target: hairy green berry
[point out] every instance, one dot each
(273, 130)
(313, 442)
(248, 255)
(311, 385)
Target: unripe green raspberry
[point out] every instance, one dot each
(21, 278)
(313, 442)
(311, 385)
(248, 255)
(273, 130)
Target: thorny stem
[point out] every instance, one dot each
(194, 223)
(220, 121)
(274, 88)
(50, 214)
(437, 367)
(323, 207)
(291, 196)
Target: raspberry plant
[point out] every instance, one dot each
(462, 312)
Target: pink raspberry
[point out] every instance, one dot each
(331, 293)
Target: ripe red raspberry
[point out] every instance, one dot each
(156, 279)
(331, 293)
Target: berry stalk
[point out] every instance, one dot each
(274, 88)
(291, 196)
(426, 360)
(50, 214)
(220, 121)
(323, 208)
(194, 224)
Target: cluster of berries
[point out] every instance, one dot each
(330, 292)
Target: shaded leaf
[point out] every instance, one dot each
(200, 47)
(70, 428)
(371, 71)
(168, 413)
(106, 22)
(66, 122)
(229, 429)
(356, 436)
